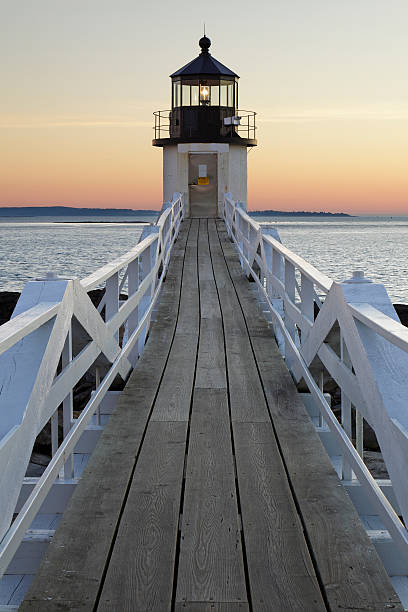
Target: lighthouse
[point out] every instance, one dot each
(205, 138)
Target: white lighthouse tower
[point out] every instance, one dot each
(204, 136)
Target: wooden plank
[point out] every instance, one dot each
(174, 397)
(211, 369)
(204, 261)
(212, 606)
(188, 317)
(140, 573)
(70, 575)
(210, 562)
(350, 570)
(280, 570)
(245, 390)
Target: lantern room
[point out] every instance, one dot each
(204, 136)
(204, 104)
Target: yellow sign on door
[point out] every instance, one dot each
(203, 180)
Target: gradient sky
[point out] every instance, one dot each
(81, 78)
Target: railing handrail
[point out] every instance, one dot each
(45, 330)
(371, 371)
(101, 274)
(25, 323)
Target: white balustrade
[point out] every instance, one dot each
(38, 370)
(370, 365)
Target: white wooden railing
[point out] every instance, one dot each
(369, 365)
(38, 369)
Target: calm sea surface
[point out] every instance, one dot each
(336, 246)
(339, 245)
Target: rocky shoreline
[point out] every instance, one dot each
(82, 392)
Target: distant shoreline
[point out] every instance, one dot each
(298, 213)
(138, 221)
(69, 211)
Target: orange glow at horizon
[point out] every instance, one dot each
(76, 118)
(336, 167)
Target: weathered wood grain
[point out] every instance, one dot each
(140, 572)
(174, 396)
(351, 574)
(211, 562)
(281, 573)
(113, 555)
(280, 570)
(189, 606)
(245, 389)
(71, 573)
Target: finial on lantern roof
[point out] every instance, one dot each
(205, 43)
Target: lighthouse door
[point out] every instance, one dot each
(203, 184)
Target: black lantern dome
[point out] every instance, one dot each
(204, 106)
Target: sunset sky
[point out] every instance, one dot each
(81, 78)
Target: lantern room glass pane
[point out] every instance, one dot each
(176, 93)
(186, 95)
(215, 95)
(230, 96)
(223, 94)
(194, 95)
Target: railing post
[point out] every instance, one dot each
(346, 471)
(307, 297)
(133, 320)
(68, 404)
(359, 433)
(112, 298)
(290, 286)
(147, 263)
(274, 269)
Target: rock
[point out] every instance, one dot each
(8, 301)
(375, 464)
(402, 312)
(37, 465)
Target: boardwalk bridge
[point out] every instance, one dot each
(219, 478)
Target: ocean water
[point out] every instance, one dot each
(339, 245)
(29, 248)
(336, 246)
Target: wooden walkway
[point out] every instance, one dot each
(209, 489)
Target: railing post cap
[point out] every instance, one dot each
(358, 277)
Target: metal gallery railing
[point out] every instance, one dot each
(369, 362)
(39, 368)
(167, 123)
